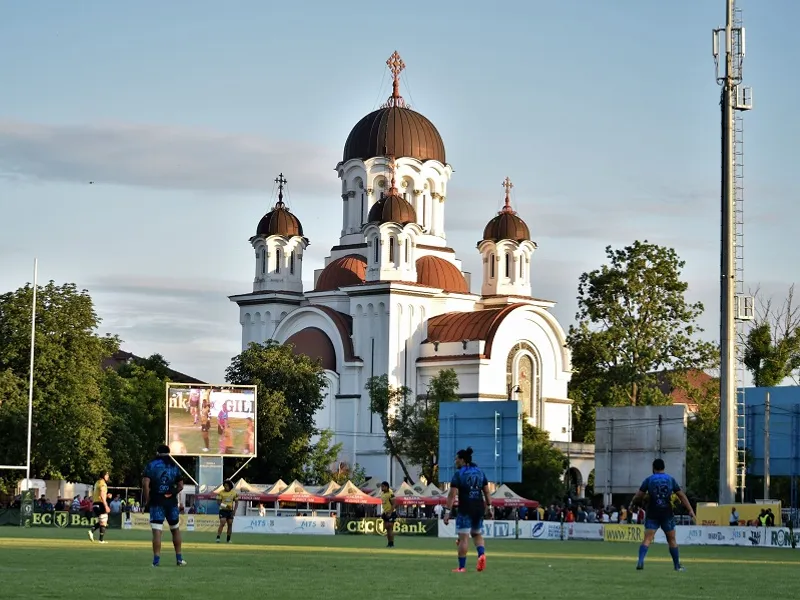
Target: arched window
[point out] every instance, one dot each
(277, 260)
(391, 249)
(524, 381)
(291, 263)
(263, 261)
(377, 244)
(491, 266)
(508, 264)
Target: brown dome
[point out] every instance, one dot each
(506, 226)
(437, 272)
(394, 131)
(392, 209)
(348, 270)
(314, 343)
(279, 221)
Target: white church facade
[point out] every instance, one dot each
(392, 298)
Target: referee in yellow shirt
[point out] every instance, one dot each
(227, 500)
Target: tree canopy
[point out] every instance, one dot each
(543, 467)
(633, 321)
(772, 345)
(290, 391)
(387, 401)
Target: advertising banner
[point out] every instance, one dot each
(780, 537)
(547, 530)
(204, 523)
(26, 508)
(67, 519)
(584, 531)
(374, 526)
(286, 525)
(490, 529)
(720, 515)
(623, 533)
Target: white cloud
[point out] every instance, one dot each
(161, 157)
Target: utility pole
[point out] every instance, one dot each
(766, 447)
(735, 307)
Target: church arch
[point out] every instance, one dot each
(524, 373)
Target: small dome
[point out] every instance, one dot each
(507, 225)
(279, 221)
(344, 271)
(392, 209)
(439, 273)
(394, 131)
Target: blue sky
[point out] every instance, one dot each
(604, 115)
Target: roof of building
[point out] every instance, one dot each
(120, 357)
(394, 129)
(344, 271)
(392, 209)
(279, 221)
(507, 224)
(438, 273)
(477, 325)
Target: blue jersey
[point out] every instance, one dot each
(469, 480)
(164, 476)
(660, 487)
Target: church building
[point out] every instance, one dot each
(393, 299)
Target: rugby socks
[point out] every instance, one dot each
(179, 557)
(462, 562)
(156, 560)
(676, 557)
(642, 553)
(229, 539)
(102, 533)
(481, 551)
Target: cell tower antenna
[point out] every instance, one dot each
(736, 308)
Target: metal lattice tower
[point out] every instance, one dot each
(735, 306)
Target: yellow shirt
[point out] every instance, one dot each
(226, 499)
(386, 498)
(100, 491)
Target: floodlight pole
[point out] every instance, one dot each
(30, 375)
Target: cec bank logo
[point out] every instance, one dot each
(61, 519)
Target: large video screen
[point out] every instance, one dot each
(211, 420)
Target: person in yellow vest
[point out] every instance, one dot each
(228, 500)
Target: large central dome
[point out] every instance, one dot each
(394, 129)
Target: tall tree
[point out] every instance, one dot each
(345, 472)
(321, 458)
(69, 438)
(387, 401)
(772, 345)
(290, 391)
(543, 467)
(416, 426)
(633, 321)
(702, 438)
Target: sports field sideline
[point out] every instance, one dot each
(52, 563)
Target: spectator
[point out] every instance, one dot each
(734, 518)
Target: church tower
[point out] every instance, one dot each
(394, 141)
(279, 245)
(506, 250)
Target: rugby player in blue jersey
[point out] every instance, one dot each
(472, 488)
(162, 483)
(660, 486)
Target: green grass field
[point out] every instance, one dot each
(180, 422)
(62, 563)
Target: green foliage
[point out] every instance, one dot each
(416, 426)
(322, 456)
(69, 440)
(633, 321)
(702, 439)
(290, 390)
(543, 467)
(345, 472)
(772, 346)
(387, 402)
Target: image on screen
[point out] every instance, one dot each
(211, 420)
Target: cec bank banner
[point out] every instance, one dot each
(374, 526)
(205, 523)
(68, 519)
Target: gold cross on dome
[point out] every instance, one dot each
(508, 185)
(281, 181)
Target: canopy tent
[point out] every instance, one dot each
(276, 488)
(405, 495)
(433, 495)
(245, 491)
(350, 494)
(505, 497)
(295, 492)
(328, 490)
(418, 488)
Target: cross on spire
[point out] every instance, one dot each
(281, 181)
(507, 185)
(396, 66)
